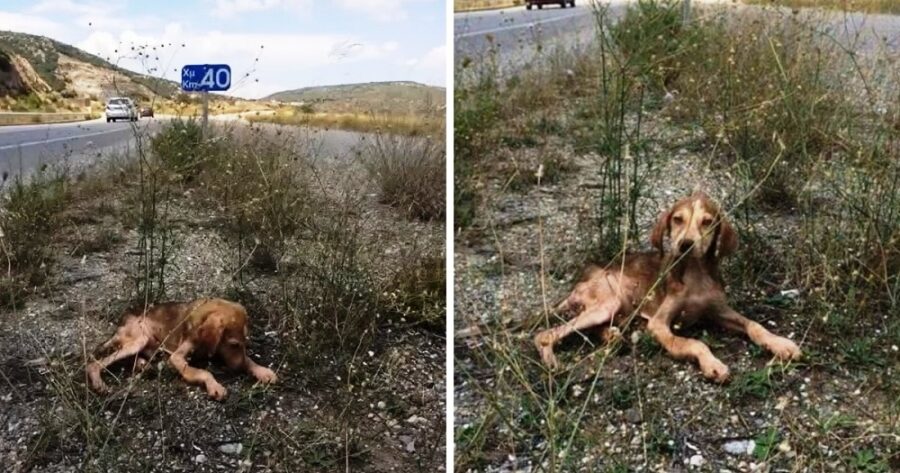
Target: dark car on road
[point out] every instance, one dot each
(147, 112)
(541, 3)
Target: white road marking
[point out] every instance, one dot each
(530, 24)
(64, 138)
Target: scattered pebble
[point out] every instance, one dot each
(231, 448)
(740, 447)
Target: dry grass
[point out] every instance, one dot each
(409, 172)
(805, 135)
(868, 6)
(346, 296)
(410, 125)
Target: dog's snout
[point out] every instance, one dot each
(686, 245)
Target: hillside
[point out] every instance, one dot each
(37, 72)
(392, 98)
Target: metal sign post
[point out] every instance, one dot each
(686, 12)
(205, 111)
(206, 78)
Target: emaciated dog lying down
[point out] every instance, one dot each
(203, 328)
(679, 286)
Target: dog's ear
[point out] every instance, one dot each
(728, 240)
(209, 334)
(659, 231)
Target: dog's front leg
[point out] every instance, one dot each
(178, 360)
(683, 348)
(783, 348)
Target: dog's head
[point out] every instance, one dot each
(224, 333)
(695, 227)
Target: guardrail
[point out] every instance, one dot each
(28, 118)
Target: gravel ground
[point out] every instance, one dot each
(642, 410)
(391, 418)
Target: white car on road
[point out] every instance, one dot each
(121, 108)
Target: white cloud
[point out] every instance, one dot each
(281, 58)
(382, 10)
(230, 8)
(29, 24)
(430, 67)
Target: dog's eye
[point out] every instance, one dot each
(678, 220)
(706, 222)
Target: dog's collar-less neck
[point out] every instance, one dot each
(678, 266)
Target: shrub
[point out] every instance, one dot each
(180, 147)
(28, 220)
(653, 41)
(410, 172)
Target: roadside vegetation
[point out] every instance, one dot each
(794, 130)
(340, 264)
(411, 125)
(868, 6)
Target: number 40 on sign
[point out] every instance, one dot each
(205, 77)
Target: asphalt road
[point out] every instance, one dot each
(25, 148)
(514, 37)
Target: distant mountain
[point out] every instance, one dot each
(376, 97)
(43, 69)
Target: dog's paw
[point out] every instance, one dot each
(549, 359)
(139, 366)
(100, 387)
(784, 348)
(216, 391)
(265, 375)
(545, 347)
(714, 370)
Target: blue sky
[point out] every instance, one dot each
(297, 43)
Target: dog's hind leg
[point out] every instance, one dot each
(126, 349)
(591, 317)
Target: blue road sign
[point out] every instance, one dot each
(205, 77)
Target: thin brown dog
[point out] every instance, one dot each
(205, 327)
(689, 289)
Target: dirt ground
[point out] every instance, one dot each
(637, 409)
(390, 418)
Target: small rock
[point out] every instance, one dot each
(200, 458)
(381, 405)
(231, 448)
(697, 461)
(740, 447)
(414, 419)
(633, 416)
(409, 443)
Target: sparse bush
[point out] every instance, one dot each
(180, 147)
(410, 173)
(416, 290)
(28, 219)
(653, 41)
(263, 185)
